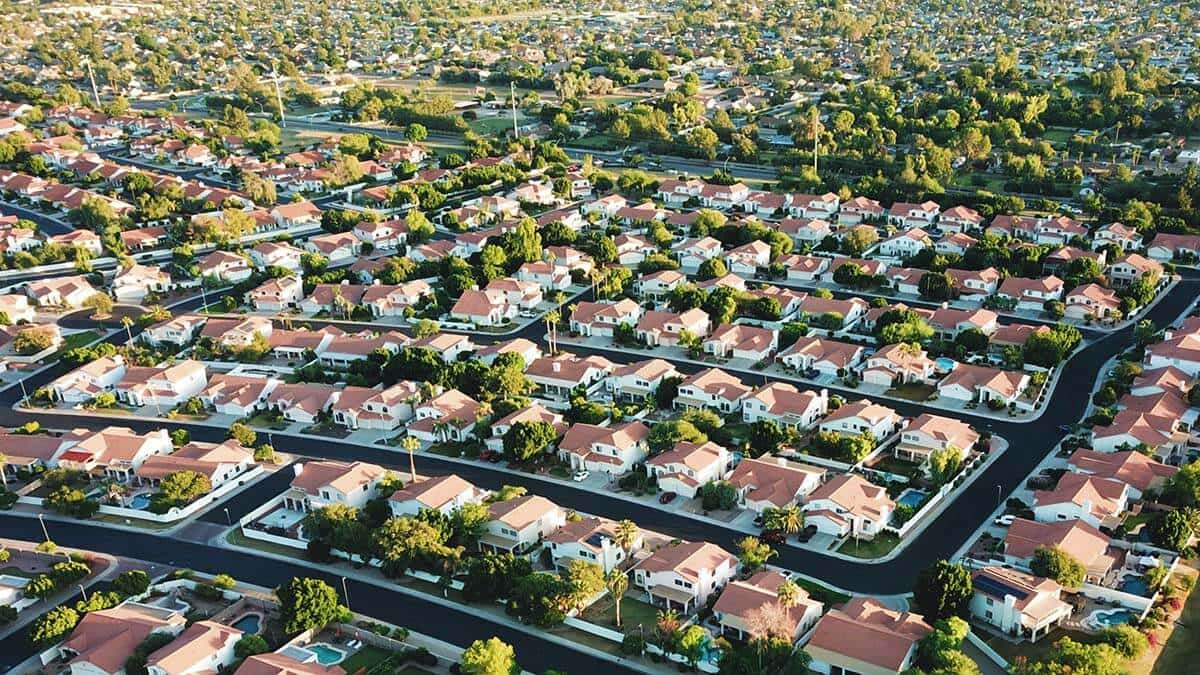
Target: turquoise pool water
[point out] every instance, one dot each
(140, 502)
(1114, 617)
(911, 497)
(1135, 585)
(249, 624)
(326, 655)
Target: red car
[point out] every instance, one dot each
(667, 497)
(490, 456)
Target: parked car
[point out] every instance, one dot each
(491, 456)
(1005, 520)
(580, 476)
(806, 534)
(667, 497)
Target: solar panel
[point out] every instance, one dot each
(997, 588)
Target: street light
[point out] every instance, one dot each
(999, 494)
(345, 593)
(83, 592)
(228, 520)
(44, 531)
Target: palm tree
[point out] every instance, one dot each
(410, 443)
(552, 319)
(668, 623)
(115, 492)
(788, 520)
(127, 323)
(617, 583)
(626, 533)
(788, 594)
(441, 429)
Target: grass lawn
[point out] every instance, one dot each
(75, 340)
(878, 547)
(912, 391)
(603, 612)
(596, 142)
(366, 658)
(819, 592)
(1035, 651)
(236, 538)
(893, 464)
(260, 420)
(492, 125)
(1058, 134)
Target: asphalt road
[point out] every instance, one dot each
(459, 626)
(46, 224)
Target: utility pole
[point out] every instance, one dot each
(512, 97)
(815, 140)
(92, 77)
(278, 97)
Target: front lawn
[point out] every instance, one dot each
(878, 547)
(76, 340)
(912, 392)
(603, 612)
(818, 592)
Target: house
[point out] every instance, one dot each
(693, 252)
(180, 330)
(773, 482)
(85, 239)
(712, 388)
(723, 197)
(484, 308)
(1016, 603)
(1096, 501)
(376, 408)
(1059, 231)
(89, 380)
(1059, 260)
(219, 462)
(1137, 471)
(113, 453)
(635, 381)
(905, 244)
(383, 235)
(1159, 380)
(745, 260)
(656, 285)
(1013, 335)
(983, 384)
(1116, 234)
(132, 284)
(204, 647)
(959, 219)
(284, 663)
(599, 319)
(682, 576)
(956, 243)
(606, 207)
(162, 386)
(296, 214)
(557, 376)
(1166, 247)
(805, 268)
(225, 266)
(526, 349)
(897, 364)
(1132, 267)
(1078, 539)
(519, 524)
(948, 322)
(337, 247)
(302, 402)
(277, 295)
(449, 346)
(592, 540)
(822, 207)
(866, 638)
(850, 311)
(741, 341)
(687, 466)
(237, 333)
(663, 329)
(68, 292)
(388, 300)
(1158, 422)
(782, 403)
(1092, 301)
(238, 395)
(613, 450)
(906, 280)
(830, 358)
(444, 494)
(277, 254)
(549, 276)
(933, 433)
(449, 416)
(735, 610)
(859, 210)
(1180, 347)
(848, 505)
(632, 249)
(862, 417)
(320, 483)
(105, 639)
(1031, 294)
(923, 215)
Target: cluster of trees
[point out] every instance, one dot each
(540, 598)
(850, 449)
(58, 622)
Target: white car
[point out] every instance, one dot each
(580, 476)
(1004, 521)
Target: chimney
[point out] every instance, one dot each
(556, 366)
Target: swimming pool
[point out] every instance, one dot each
(1110, 617)
(141, 502)
(943, 363)
(1135, 584)
(249, 623)
(911, 497)
(326, 655)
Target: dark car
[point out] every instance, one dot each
(806, 534)
(490, 456)
(774, 537)
(667, 497)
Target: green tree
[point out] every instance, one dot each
(525, 244)
(943, 590)
(242, 434)
(52, 627)
(617, 582)
(665, 435)
(402, 542)
(585, 579)
(712, 268)
(718, 496)
(691, 643)
(1172, 531)
(131, 582)
(249, 645)
(526, 440)
(1056, 564)
(489, 657)
(306, 603)
(753, 553)
(181, 488)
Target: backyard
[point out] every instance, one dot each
(634, 611)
